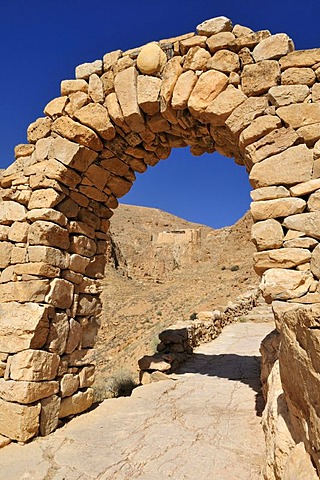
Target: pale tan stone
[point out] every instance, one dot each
(192, 41)
(76, 101)
(243, 115)
(269, 193)
(74, 336)
(293, 234)
(214, 25)
(125, 84)
(298, 76)
(86, 69)
(34, 365)
(283, 284)
(300, 115)
(96, 117)
(39, 129)
(308, 223)
(223, 105)
(23, 150)
(96, 89)
(48, 233)
(69, 384)
(273, 47)
(299, 465)
(58, 333)
(196, 59)
(296, 167)
(18, 232)
(219, 41)
(47, 214)
(267, 234)
(44, 198)
(81, 227)
(56, 107)
(122, 64)
(283, 95)
(76, 132)
(18, 255)
(52, 256)
(315, 262)
(271, 144)
(208, 87)
(83, 246)
(11, 212)
(280, 258)
(154, 362)
(4, 232)
(170, 75)
(60, 294)
(5, 254)
(72, 86)
(240, 30)
(310, 133)
(4, 441)
(77, 403)
(88, 305)
(151, 59)
(260, 77)
(86, 376)
(37, 268)
(304, 242)
(78, 263)
(304, 188)
(280, 207)
(49, 416)
(300, 58)
(19, 422)
(114, 110)
(110, 59)
(23, 326)
(224, 61)
(31, 291)
(26, 392)
(314, 202)
(148, 90)
(259, 127)
(315, 92)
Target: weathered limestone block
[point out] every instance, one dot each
(74, 336)
(34, 365)
(47, 214)
(260, 77)
(283, 95)
(223, 105)
(76, 101)
(259, 127)
(26, 392)
(148, 90)
(58, 333)
(23, 326)
(125, 84)
(4, 232)
(98, 176)
(250, 40)
(299, 465)
(83, 245)
(5, 254)
(31, 291)
(241, 30)
(208, 87)
(314, 202)
(280, 207)
(56, 107)
(90, 327)
(11, 212)
(48, 233)
(96, 90)
(315, 262)
(86, 69)
(78, 263)
(196, 59)
(308, 223)
(81, 358)
(305, 188)
(300, 115)
(41, 128)
(72, 154)
(60, 294)
(86, 376)
(271, 144)
(52, 256)
(214, 25)
(19, 422)
(119, 186)
(267, 234)
(154, 362)
(170, 75)
(44, 198)
(243, 115)
(296, 167)
(23, 150)
(283, 284)
(112, 104)
(69, 208)
(38, 269)
(298, 76)
(269, 193)
(69, 384)
(18, 232)
(49, 416)
(72, 86)
(88, 305)
(151, 59)
(76, 132)
(224, 61)
(96, 117)
(273, 47)
(280, 258)
(110, 59)
(301, 58)
(54, 169)
(77, 403)
(219, 41)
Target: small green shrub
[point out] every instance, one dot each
(234, 268)
(193, 316)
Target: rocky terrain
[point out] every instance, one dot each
(155, 279)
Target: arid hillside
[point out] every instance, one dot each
(162, 269)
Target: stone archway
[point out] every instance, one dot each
(245, 94)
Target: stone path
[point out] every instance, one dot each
(201, 425)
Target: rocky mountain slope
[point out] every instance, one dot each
(162, 269)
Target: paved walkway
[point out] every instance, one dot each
(203, 425)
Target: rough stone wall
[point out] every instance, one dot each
(245, 94)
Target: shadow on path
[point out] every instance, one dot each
(242, 368)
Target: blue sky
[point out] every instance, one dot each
(42, 41)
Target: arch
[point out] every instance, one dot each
(225, 88)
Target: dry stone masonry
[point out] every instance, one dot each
(248, 95)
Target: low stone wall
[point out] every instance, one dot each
(177, 342)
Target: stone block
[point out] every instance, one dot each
(56, 107)
(86, 69)
(283, 95)
(34, 365)
(44, 198)
(305, 188)
(214, 26)
(96, 117)
(219, 41)
(5, 254)
(71, 154)
(207, 88)
(280, 258)
(52, 256)
(151, 59)
(72, 86)
(26, 392)
(76, 132)
(11, 212)
(259, 127)
(115, 112)
(298, 76)
(224, 61)
(58, 333)
(314, 202)
(273, 47)
(18, 232)
(283, 284)
(74, 336)
(260, 77)
(267, 234)
(49, 415)
(86, 376)
(19, 422)
(308, 223)
(300, 58)
(170, 75)
(300, 115)
(48, 233)
(192, 41)
(83, 245)
(54, 169)
(280, 207)
(243, 115)
(77, 403)
(315, 262)
(304, 242)
(88, 305)
(148, 90)
(61, 293)
(38, 269)
(30, 291)
(196, 59)
(69, 384)
(125, 84)
(223, 105)
(271, 144)
(41, 128)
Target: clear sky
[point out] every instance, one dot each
(42, 41)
